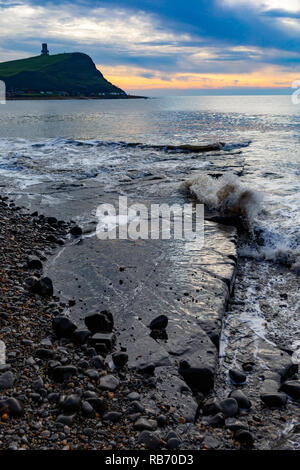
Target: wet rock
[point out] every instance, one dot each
(6, 380)
(244, 437)
(145, 424)
(269, 386)
(44, 353)
(61, 373)
(173, 443)
(237, 377)
(292, 388)
(197, 378)
(146, 369)
(66, 420)
(51, 220)
(38, 384)
(216, 421)
(135, 406)
(107, 339)
(76, 231)
(70, 403)
(102, 322)
(242, 401)
(274, 400)
(211, 442)
(12, 406)
(92, 374)
(80, 337)
(98, 404)
(159, 323)
(97, 361)
(87, 409)
(100, 348)
(132, 396)
(120, 359)
(63, 327)
(34, 262)
(211, 407)
(112, 416)
(161, 420)
(109, 382)
(149, 440)
(53, 397)
(229, 407)
(43, 287)
(234, 425)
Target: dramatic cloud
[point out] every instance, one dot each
(142, 43)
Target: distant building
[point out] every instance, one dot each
(44, 50)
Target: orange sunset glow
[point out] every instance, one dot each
(133, 78)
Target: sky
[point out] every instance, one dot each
(159, 47)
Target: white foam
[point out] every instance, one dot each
(225, 194)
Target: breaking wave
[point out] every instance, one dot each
(230, 198)
(270, 247)
(226, 194)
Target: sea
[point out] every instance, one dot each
(51, 150)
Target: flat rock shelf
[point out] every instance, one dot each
(140, 280)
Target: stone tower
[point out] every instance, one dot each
(44, 50)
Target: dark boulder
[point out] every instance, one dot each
(211, 407)
(102, 322)
(197, 378)
(80, 337)
(105, 338)
(159, 323)
(146, 369)
(12, 406)
(274, 400)
(51, 220)
(216, 421)
(61, 373)
(63, 327)
(292, 388)
(76, 231)
(44, 353)
(112, 416)
(97, 362)
(149, 440)
(244, 437)
(98, 404)
(120, 359)
(34, 262)
(70, 403)
(237, 377)
(6, 380)
(66, 420)
(242, 401)
(42, 287)
(229, 407)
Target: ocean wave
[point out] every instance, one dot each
(281, 254)
(182, 148)
(226, 194)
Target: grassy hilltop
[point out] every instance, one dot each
(74, 73)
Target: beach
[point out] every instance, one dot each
(226, 328)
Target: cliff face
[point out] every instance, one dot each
(71, 73)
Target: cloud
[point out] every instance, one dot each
(126, 29)
(265, 5)
(162, 43)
